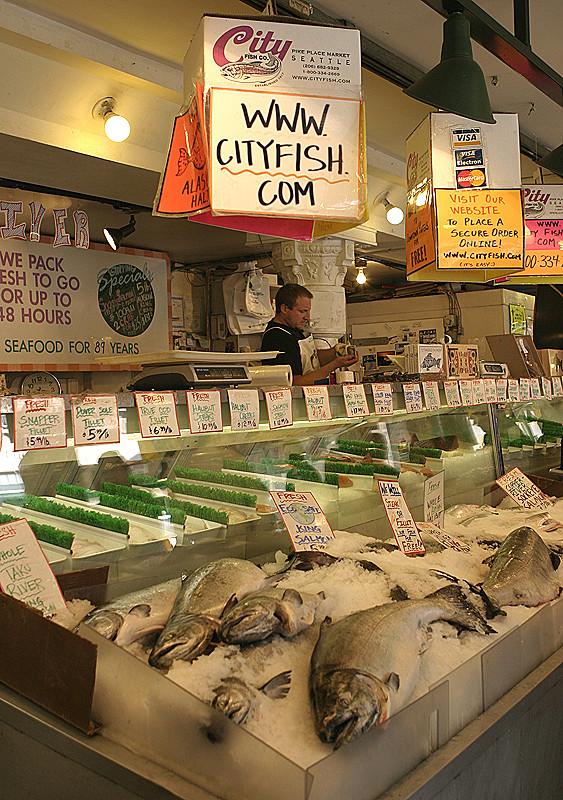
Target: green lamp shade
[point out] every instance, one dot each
(457, 83)
(554, 161)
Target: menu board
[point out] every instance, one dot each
(39, 423)
(317, 403)
(95, 419)
(280, 408)
(157, 414)
(245, 409)
(204, 411)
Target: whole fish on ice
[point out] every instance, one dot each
(523, 571)
(235, 698)
(365, 666)
(269, 611)
(203, 597)
(136, 615)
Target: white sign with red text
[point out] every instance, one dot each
(95, 419)
(479, 396)
(547, 388)
(157, 414)
(245, 409)
(466, 392)
(382, 398)
(522, 490)
(431, 395)
(39, 422)
(535, 388)
(204, 410)
(490, 390)
(304, 519)
(317, 403)
(413, 398)
(401, 520)
(443, 537)
(451, 389)
(355, 400)
(280, 408)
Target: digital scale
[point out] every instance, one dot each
(492, 369)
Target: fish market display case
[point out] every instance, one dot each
(159, 740)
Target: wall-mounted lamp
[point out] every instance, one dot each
(115, 236)
(553, 161)
(457, 83)
(394, 214)
(117, 128)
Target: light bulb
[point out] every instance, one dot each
(117, 128)
(395, 215)
(360, 277)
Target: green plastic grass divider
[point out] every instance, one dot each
(45, 533)
(345, 468)
(93, 518)
(213, 493)
(166, 505)
(244, 481)
(74, 492)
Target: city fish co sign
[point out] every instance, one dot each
(272, 126)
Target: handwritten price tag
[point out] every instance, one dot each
(513, 391)
(525, 389)
(431, 395)
(442, 537)
(557, 387)
(280, 408)
(547, 388)
(479, 397)
(434, 499)
(245, 409)
(157, 414)
(401, 520)
(502, 389)
(382, 398)
(317, 403)
(24, 570)
(490, 390)
(204, 411)
(466, 392)
(39, 423)
(304, 519)
(523, 490)
(535, 387)
(95, 419)
(355, 400)
(413, 397)
(451, 389)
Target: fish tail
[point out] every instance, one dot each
(463, 612)
(278, 686)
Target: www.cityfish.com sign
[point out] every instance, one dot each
(282, 112)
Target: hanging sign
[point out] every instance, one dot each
(451, 390)
(466, 392)
(204, 410)
(535, 388)
(355, 400)
(478, 387)
(431, 395)
(442, 537)
(24, 570)
(304, 519)
(245, 409)
(434, 499)
(317, 403)
(39, 423)
(547, 388)
(95, 419)
(279, 405)
(525, 389)
(518, 323)
(413, 397)
(157, 414)
(557, 387)
(513, 391)
(502, 388)
(401, 520)
(382, 398)
(490, 390)
(522, 490)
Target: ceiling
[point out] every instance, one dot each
(59, 57)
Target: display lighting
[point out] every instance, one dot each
(360, 277)
(116, 127)
(457, 83)
(394, 214)
(115, 236)
(554, 161)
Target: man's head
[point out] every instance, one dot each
(293, 305)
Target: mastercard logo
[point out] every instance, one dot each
(470, 178)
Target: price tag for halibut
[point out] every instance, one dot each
(355, 400)
(490, 390)
(525, 389)
(279, 405)
(466, 392)
(245, 409)
(39, 422)
(304, 519)
(547, 388)
(431, 395)
(479, 396)
(513, 390)
(157, 414)
(522, 490)
(401, 520)
(317, 403)
(442, 537)
(413, 397)
(535, 388)
(204, 411)
(95, 419)
(451, 389)
(382, 397)
(502, 388)
(557, 387)
(24, 570)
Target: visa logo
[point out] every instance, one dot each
(466, 135)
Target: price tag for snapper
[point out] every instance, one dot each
(557, 387)
(413, 398)
(399, 515)
(95, 419)
(24, 570)
(431, 395)
(513, 390)
(490, 390)
(466, 392)
(355, 400)
(317, 403)
(245, 409)
(547, 388)
(304, 519)
(523, 490)
(279, 405)
(451, 389)
(39, 423)
(204, 410)
(382, 397)
(479, 396)
(502, 388)
(434, 499)
(442, 537)
(535, 388)
(157, 414)
(525, 389)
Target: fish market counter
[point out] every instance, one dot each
(511, 750)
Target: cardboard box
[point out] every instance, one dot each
(518, 353)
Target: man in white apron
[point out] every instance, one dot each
(285, 333)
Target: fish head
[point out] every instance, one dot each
(250, 622)
(233, 698)
(346, 704)
(184, 642)
(105, 622)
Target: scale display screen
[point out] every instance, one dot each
(219, 373)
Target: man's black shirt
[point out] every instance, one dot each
(285, 339)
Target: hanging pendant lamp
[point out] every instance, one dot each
(457, 83)
(553, 161)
